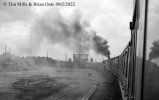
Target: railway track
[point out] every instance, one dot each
(88, 95)
(61, 94)
(70, 92)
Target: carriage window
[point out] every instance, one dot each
(151, 86)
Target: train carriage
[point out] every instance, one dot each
(137, 69)
(114, 62)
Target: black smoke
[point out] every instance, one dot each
(101, 46)
(154, 50)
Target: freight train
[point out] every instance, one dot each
(138, 76)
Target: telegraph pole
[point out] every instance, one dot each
(65, 56)
(5, 49)
(9, 49)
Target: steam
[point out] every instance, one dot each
(154, 50)
(71, 31)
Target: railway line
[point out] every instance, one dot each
(61, 94)
(68, 94)
(88, 95)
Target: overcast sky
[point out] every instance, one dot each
(109, 18)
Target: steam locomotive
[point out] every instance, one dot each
(137, 75)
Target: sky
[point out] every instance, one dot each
(21, 27)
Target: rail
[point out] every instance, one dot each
(88, 95)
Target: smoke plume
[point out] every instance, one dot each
(101, 46)
(154, 50)
(71, 31)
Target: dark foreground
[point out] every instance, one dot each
(92, 83)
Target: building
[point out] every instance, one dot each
(80, 57)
